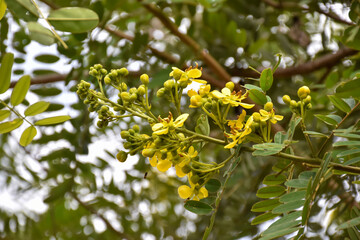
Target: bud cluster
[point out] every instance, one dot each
(304, 103)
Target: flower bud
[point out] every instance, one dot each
(125, 96)
(123, 72)
(303, 92)
(121, 156)
(293, 104)
(256, 117)
(141, 90)
(195, 179)
(144, 78)
(160, 92)
(230, 85)
(309, 106)
(184, 84)
(124, 134)
(286, 99)
(136, 128)
(307, 100)
(169, 84)
(148, 152)
(133, 97)
(123, 86)
(186, 169)
(196, 101)
(268, 106)
(107, 80)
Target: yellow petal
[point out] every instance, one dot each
(191, 93)
(184, 191)
(278, 117)
(181, 119)
(264, 113)
(179, 171)
(200, 81)
(203, 193)
(231, 145)
(163, 165)
(226, 91)
(246, 105)
(217, 94)
(194, 73)
(153, 161)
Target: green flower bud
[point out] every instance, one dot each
(124, 134)
(186, 169)
(103, 71)
(160, 92)
(169, 84)
(184, 84)
(98, 66)
(127, 145)
(144, 78)
(132, 132)
(136, 128)
(107, 80)
(148, 152)
(125, 96)
(133, 97)
(286, 99)
(123, 86)
(195, 179)
(307, 100)
(141, 90)
(123, 72)
(121, 156)
(293, 104)
(309, 106)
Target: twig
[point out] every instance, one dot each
(107, 223)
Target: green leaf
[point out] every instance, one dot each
(285, 222)
(293, 123)
(47, 91)
(329, 119)
(257, 96)
(73, 19)
(284, 225)
(279, 233)
(36, 108)
(332, 79)
(59, 191)
(265, 205)
(52, 120)
(315, 134)
(349, 89)
(348, 224)
(20, 90)
(27, 136)
(202, 125)
(198, 207)
(2, 8)
(270, 191)
(307, 175)
(293, 196)
(297, 183)
(339, 103)
(213, 185)
(274, 179)
(6, 127)
(348, 152)
(40, 34)
(250, 87)
(266, 79)
(348, 135)
(351, 37)
(4, 114)
(266, 149)
(347, 143)
(24, 9)
(47, 58)
(289, 206)
(352, 161)
(263, 218)
(5, 71)
(280, 137)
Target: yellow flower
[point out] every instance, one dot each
(238, 130)
(232, 98)
(185, 191)
(168, 124)
(196, 98)
(190, 74)
(185, 160)
(161, 164)
(265, 115)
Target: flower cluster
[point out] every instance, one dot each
(303, 104)
(171, 143)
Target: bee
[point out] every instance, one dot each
(145, 175)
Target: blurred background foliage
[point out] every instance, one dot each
(88, 194)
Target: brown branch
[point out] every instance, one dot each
(328, 60)
(51, 78)
(107, 223)
(206, 57)
(294, 5)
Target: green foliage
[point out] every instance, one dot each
(81, 190)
